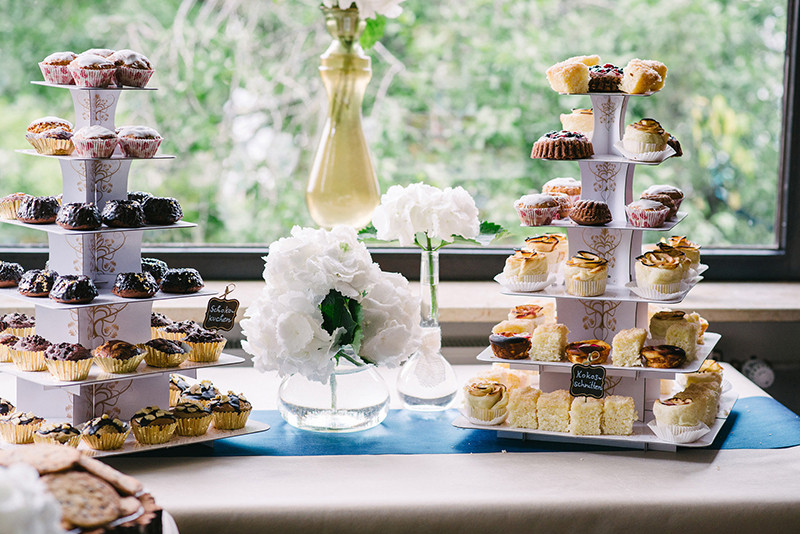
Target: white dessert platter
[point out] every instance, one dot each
(105, 298)
(56, 229)
(620, 224)
(613, 158)
(109, 88)
(612, 293)
(74, 157)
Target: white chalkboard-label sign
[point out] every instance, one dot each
(221, 311)
(587, 381)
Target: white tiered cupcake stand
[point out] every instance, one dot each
(101, 254)
(608, 176)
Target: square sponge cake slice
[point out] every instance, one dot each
(552, 410)
(626, 347)
(619, 413)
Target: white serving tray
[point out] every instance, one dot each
(611, 158)
(73, 157)
(73, 87)
(613, 292)
(642, 437)
(56, 229)
(104, 298)
(618, 224)
(98, 376)
(710, 340)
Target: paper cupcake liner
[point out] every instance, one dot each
(5, 356)
(153, 434)
(8, 210)
(58, 74)
(106, 442)
(536, 216)
(133, 77)
(651, 293)
(139, 148)
(174, 395)
(28, 360)
(69, 371)
(206, 352)
(193, 426)
(650, 156)
(646, 218)
(93, 77)
(94, 148)
(21, 332)
(525, 284)
(174, 336)
(482, 416)
(230, 420)
(117, 366)
(18, 434)
(157, 358)
(50, 146)
(585, 288)
(74, 441)
(678, 434)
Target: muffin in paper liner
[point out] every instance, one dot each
(28, 360)
(677, 433)
(483, 416)
(195, 424)
(657, 291)
(139, 148)
(50, 433)
(153, 434)
(69, 371)
(133, 77)
(93, 77)
(173, 336)
(119, 366)
(51, 146)
(585, 288)
(74, 441)
(536, 216)
(57, 74)
(21, 332)
(157, 358)
(106, 442)
(18, 434)
(5, 355)
(205, 352)
(231, 420)
(525, 284)
(646, 218)
(95, 147)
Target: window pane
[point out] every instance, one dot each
(458, 96)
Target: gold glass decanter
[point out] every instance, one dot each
(343, 188)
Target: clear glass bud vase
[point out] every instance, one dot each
(427, 381)
(342, 187)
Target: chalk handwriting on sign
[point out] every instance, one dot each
(221, 311)
(588, 381)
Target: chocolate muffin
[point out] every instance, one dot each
(73, 289)
(37, 282)
(105, 433)
(155, 267)
(178, 331)
(116, 356)
(185, 280)
(135, 285)
(159, 319)
(70, 352)
(162, 210)
(38, 210)
(138, 196)
(165, 352)
(590, 212)
(10, 273)
(34, 343)
(123, 214)
(204, 393)
(19, 320)
(79, 216)
(562, 145)
(68, 361)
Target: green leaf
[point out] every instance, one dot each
(373, 32)
(339, 311)
(369, 233)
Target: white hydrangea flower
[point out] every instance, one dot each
(369, 9)
(26, 507)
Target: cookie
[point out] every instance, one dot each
(45, 457)
(127, 485)
(86, 501)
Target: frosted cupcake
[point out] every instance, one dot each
(204, 393)
(646, 139)
(6, 342)
(658, 272)
(646, 213)
(58, 434)
(547, 244)
(205, 345)
(94, 142)
(566, 185)
(68, 361)
(51, 136)
(133, 68)
(18, 427)
(230, 412)
(485, 402)
(91, 70)
(138, 141)
(536, 209)
(586, 274)
(177, 331)
(678, 255)
(105, 433)
(680, 242)
(152, 425)
(55, 68)
(177, 385)
(523, 268)
(19, 324)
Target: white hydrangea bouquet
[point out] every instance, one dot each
(324, 300)
(26, 506)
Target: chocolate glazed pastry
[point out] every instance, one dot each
(135, 285)
(182, 281)
(155, 267)
(10, 273)
(37, 282)
(79, 216)
(138, 196)
(38, 210)
(73, 289)
(123, 214)
(162, 210)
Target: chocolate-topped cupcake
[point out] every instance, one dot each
(155, 267)
(38, 210)
(58, 433)
(230, 411)
(73, 289)
(206, 345)
(19, 324)
(193, 418)
(158, 321)
(123, 214)
(135, 285)
(37, 282)
(105, 433)
(204, 393)
(6, 342)
(162, 210)
(70, 352)
(152, 425)
(10, 273)
(79, 216)
(185, 280)
(68, 361)
(5, 407)
(165, 352)
(18, 427)
(117, 356)
(177, 385)
(178, 330)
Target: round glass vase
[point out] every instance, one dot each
(427, 381)
(355, 398)
(342, 187)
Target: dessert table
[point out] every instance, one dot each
(552, 487)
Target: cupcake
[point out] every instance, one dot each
(525, 268)
(105, 433)
(564, 205)
(18, 427)
(152, 425)
(645, 213)
(678, 255)
(133, 69)
(6, 407)
(658, 272)
(138, 141)
(117, 356)
(547, 244)
(91, 70)
(68, 361)
(28, 353)
(6, 342)
(536, 209)
(585, 274)
(193, 418)
(55, 68)
(51, 136)
(205, 345)
(177, 331)
(230, 412)
(94, 142)
(102, 52)
(58, 434)
(9, 205)
(19, 324)
(204, 393)
(485, 402)
(162, 352)
(670, 196)
(10, 273)
(158, 321)
(569, 186)
(644, 136)
(177, 385)
(680, 242)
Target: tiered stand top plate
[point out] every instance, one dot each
(75, 157)
(76, 88)
(104, 298)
